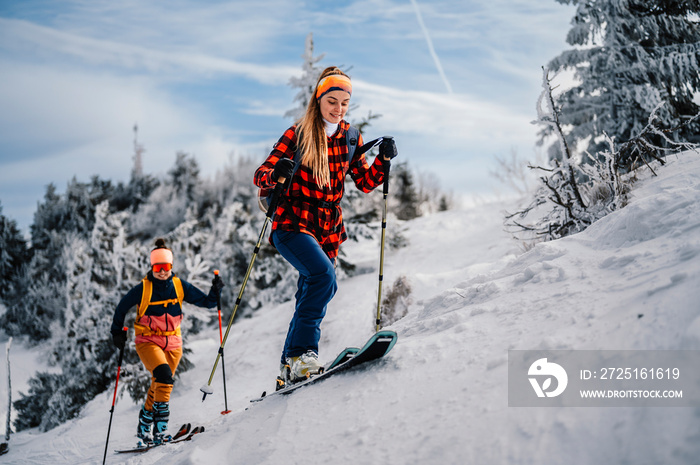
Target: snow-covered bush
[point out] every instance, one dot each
(396, 301)
(574, 193)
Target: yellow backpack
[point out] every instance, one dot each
(142, 330)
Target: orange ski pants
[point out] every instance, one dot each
(162, 365)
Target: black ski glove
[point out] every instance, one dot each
(283, 169)
(119, 339)
(387, 149)
(216, 285)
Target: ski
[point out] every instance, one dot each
(184, 434)
(182, 431)
(343, 357)
(376, 347)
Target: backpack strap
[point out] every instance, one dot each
(352, 137)
(177, 282)
(146, 294)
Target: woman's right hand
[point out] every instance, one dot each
(284, 168)
(119, 339)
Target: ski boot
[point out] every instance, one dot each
(284, 379)
(304, 366)
(143, 431)
(161, 415)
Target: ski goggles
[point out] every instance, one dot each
(158, 267)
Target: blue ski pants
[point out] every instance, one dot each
(315, 288)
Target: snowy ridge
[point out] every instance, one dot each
(440, 397)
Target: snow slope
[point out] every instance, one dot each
(629, 282)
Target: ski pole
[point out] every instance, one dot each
(206, 389)
(221, 339)
(114, 398)
(386, 164)
(8, 426)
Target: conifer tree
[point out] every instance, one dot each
(39, 292)
(57, 220)
(13, 255)
(306, 83)
(45, 218)
(408, 206)
(630, 55)
(185, 175)
(168, 203)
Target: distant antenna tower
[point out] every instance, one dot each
(137, 170)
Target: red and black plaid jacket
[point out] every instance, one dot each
(312, 209)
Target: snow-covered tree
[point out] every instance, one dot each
(57, 220)
(185, 174)
(95, 269)
(306, 83)
(168, 203)
(406, 197)
(561, 196)
(629, 56)
(13, 255)
(39, 297)
(573, 194)
(46, 218)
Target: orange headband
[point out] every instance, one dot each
(161, 256)
(333, 82)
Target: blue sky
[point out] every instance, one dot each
(455, 81)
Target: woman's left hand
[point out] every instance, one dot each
(387, 149)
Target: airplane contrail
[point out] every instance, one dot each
(436, 59)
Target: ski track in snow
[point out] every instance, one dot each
(440, 397)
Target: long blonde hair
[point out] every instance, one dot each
(311, 135)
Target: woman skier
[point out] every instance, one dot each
(307, 229)
(158, 298)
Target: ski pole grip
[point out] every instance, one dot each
(275, 196)
(121, 358)
(386, 165)
(218, 296)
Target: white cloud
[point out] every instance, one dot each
(22, 36)
(231, 29)
(458, 117)
(67, 106)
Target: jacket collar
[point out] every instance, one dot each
(343, 127)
